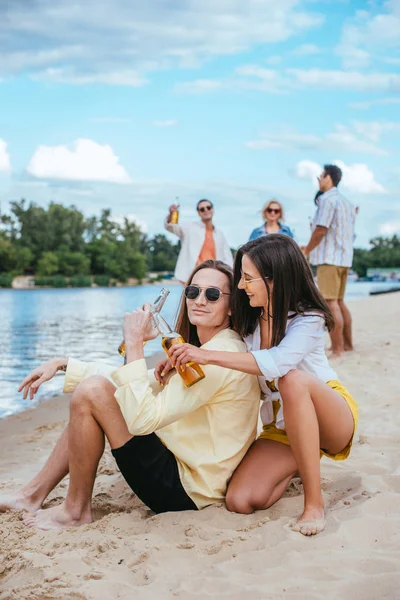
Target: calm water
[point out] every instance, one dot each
(85, 323)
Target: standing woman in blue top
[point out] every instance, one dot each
(272, 212)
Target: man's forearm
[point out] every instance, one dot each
(134, 351)
(316, 238)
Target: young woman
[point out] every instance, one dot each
(306, 412)
(272, 212)
(176, 447)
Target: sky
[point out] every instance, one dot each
(129, 105)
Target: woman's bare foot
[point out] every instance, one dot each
(311, 522)
(20, 501)
(57, 517)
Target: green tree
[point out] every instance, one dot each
(48, 264)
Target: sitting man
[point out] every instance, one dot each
(176, 447)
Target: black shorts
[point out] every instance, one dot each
(151, 471)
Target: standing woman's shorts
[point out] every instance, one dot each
(271, 432)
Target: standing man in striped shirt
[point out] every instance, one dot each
(331, 249)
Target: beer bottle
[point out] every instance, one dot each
(191, 373)
(154, 309)
(175, 216)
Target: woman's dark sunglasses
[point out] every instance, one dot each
(204, 208)
(212, 293)
(274, 210)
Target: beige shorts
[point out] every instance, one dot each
(332, 281)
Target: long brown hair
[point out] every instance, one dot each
(182, 323)
(279, 258)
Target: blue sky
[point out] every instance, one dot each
(128, 104)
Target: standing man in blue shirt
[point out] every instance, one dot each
(331, 249)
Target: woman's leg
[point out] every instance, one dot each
(315, 417)
(94, 411)
(261, 478)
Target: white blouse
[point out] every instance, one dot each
(302, 348)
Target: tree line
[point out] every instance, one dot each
(61, 241)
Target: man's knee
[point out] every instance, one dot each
(93, 391)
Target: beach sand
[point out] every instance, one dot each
(131, 553)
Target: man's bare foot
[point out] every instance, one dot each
(335, 355)
(19, 501)
(57, 517)
(348, 348)
(311, 522)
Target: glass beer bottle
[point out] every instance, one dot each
(175, 216)
(191, 373)
(154, 309)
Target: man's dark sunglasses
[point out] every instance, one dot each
(212, 293)
(204, 208)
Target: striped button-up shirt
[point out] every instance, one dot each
(337, 214)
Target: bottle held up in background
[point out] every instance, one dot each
(154, 309)
(191, 373)
(175, 213)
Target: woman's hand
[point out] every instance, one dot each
(162, 372)
(44, 372)
(181, 354)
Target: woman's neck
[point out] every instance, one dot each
(272, 226)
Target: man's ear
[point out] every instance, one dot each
(229, 313)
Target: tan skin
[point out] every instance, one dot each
(315, 416)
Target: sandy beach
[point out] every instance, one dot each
(131, 553)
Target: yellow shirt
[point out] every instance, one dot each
(208, 427)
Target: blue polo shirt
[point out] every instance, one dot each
(260, 231)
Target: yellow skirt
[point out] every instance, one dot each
(271, 432)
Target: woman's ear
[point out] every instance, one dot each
(229, 313)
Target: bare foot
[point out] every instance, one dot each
(19, 501)
(335, 355)
(311, 522)
(348, 348)
(57, 517)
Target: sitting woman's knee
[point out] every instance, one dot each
(292, 378)
(242, 503)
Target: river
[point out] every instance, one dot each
(84, 323)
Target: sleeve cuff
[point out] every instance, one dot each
(130, 372)
(266, 364)
(74, 374)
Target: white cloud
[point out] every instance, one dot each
(377, 102)
(390, 228)
(342, 138)
(347, 80)
(198, 86)
(374, 130)
(73, 77)
(306, 50)
(369, 34)
(166, 123)
(5, 163)
(357, 178)
(85, 161)
(119, 41)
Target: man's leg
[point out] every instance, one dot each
(336, 334)
(347, 326)
(94, 411)
(32, 495)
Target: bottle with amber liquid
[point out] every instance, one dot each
(154, 309)
(191, 373)
(175, 214)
